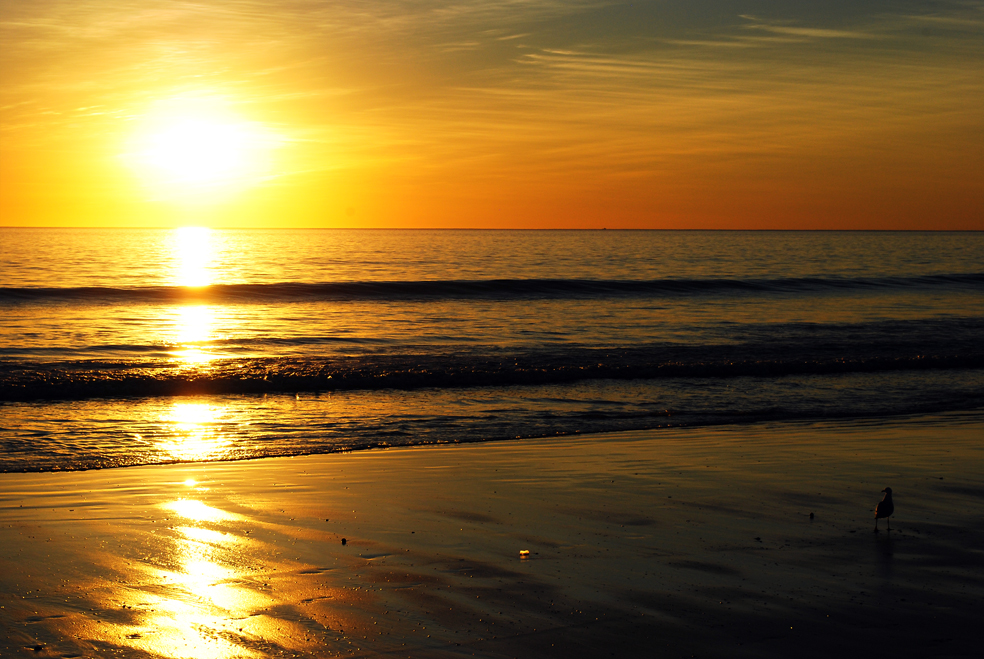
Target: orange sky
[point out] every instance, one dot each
(497, 113)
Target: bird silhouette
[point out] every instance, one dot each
(885, 508)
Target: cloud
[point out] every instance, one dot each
(813, 32)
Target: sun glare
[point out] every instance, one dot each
(198, 148)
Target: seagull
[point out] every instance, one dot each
(885, 508)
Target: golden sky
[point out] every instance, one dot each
(493, 113)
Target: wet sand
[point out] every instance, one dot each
(688, 542)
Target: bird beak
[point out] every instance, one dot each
(885, 490)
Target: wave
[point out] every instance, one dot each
(63, 436)
(85, 379)
(491, 289)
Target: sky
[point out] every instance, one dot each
(675, 114)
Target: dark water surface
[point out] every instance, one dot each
(122, 347)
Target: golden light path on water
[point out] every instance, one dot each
(192, 253)
(201, 589)
(192, 256)
(205, 582)
(193, 328)
(194, 432)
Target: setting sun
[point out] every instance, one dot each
(198, 151)
(198, 148)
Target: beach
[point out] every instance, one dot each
(670, 542)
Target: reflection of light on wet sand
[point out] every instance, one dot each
(195, 435)
(206, 579)
(198, 511)
(207, 535)
(209, 573)
(199, 613)
(202, 604)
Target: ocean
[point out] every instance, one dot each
(124, 347)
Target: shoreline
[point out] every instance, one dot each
(957, 416)
(673, 541)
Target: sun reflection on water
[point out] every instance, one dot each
(194, 327)
(192, 256)
(196, 432)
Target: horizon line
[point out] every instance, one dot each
(514, 229)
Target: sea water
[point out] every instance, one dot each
(139, 346)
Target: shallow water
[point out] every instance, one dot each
(126, 347)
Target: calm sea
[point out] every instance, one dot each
(122, 347)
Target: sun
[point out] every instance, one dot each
(199, 151)
(199, 147)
